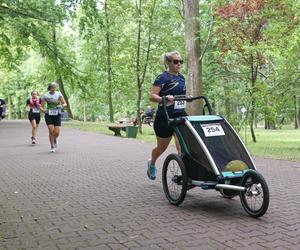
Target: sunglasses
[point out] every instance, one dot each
(177, 61)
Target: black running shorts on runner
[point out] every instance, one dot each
(161, 127)
(34, 116)
(53, 120)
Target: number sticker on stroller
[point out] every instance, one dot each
(214, 129)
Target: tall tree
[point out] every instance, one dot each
(241, 37)
(32, 25)
(108, 58)
(141, 69)
(57, 68)
(193, 52)
(297, 112)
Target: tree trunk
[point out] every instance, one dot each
(253, 101)
(299, 115)
(138, 110)
(297, 125)
(18, 109)
(62, 89)
(140, 75)
(57, 71)
(193, 52)
(298, 108)
(138, 66)
(252, 113)
(255, 119)
(226, 100)
(84, 110)
(109, 64)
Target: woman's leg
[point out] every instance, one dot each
(51, 129)
(56, 132)
(33, 129)
(37, 125)
(37, 122)
(162, 145)
(57, 124)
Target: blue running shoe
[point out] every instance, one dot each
(151, 171)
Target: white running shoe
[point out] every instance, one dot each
(32, 140)
(52, 150)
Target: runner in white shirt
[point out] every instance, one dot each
(55, 102)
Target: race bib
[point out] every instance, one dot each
(35, 110)
(179, 104)
(214, 129)
(53, 112)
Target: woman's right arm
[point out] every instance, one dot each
(154, 95)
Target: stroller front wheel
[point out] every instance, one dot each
(174, 179)
(255, 200)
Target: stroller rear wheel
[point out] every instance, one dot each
(255, 200)
(227, 193)
(174, 179)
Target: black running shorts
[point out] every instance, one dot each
(161, 127)
(53, 120)
(34, 116)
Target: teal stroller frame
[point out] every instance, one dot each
(213, 157)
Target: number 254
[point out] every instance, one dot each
(213, 129)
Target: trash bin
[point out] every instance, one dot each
(131, 131)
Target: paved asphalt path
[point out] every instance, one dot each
(94, 194)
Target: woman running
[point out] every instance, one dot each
(170, 83)
(55, 102)
(34, 116)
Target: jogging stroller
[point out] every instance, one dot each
(213, 157)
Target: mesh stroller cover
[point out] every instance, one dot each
(224, 148)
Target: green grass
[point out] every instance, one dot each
(101, 127)
(280, 144)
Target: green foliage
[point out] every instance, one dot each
(252, 37)
(29, 59)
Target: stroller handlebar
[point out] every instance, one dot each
(188, 99)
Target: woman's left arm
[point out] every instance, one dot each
(63, 102)
(42, 106)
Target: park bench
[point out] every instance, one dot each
(116, 128)
(121, 125)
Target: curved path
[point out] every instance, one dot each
(93, 194)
